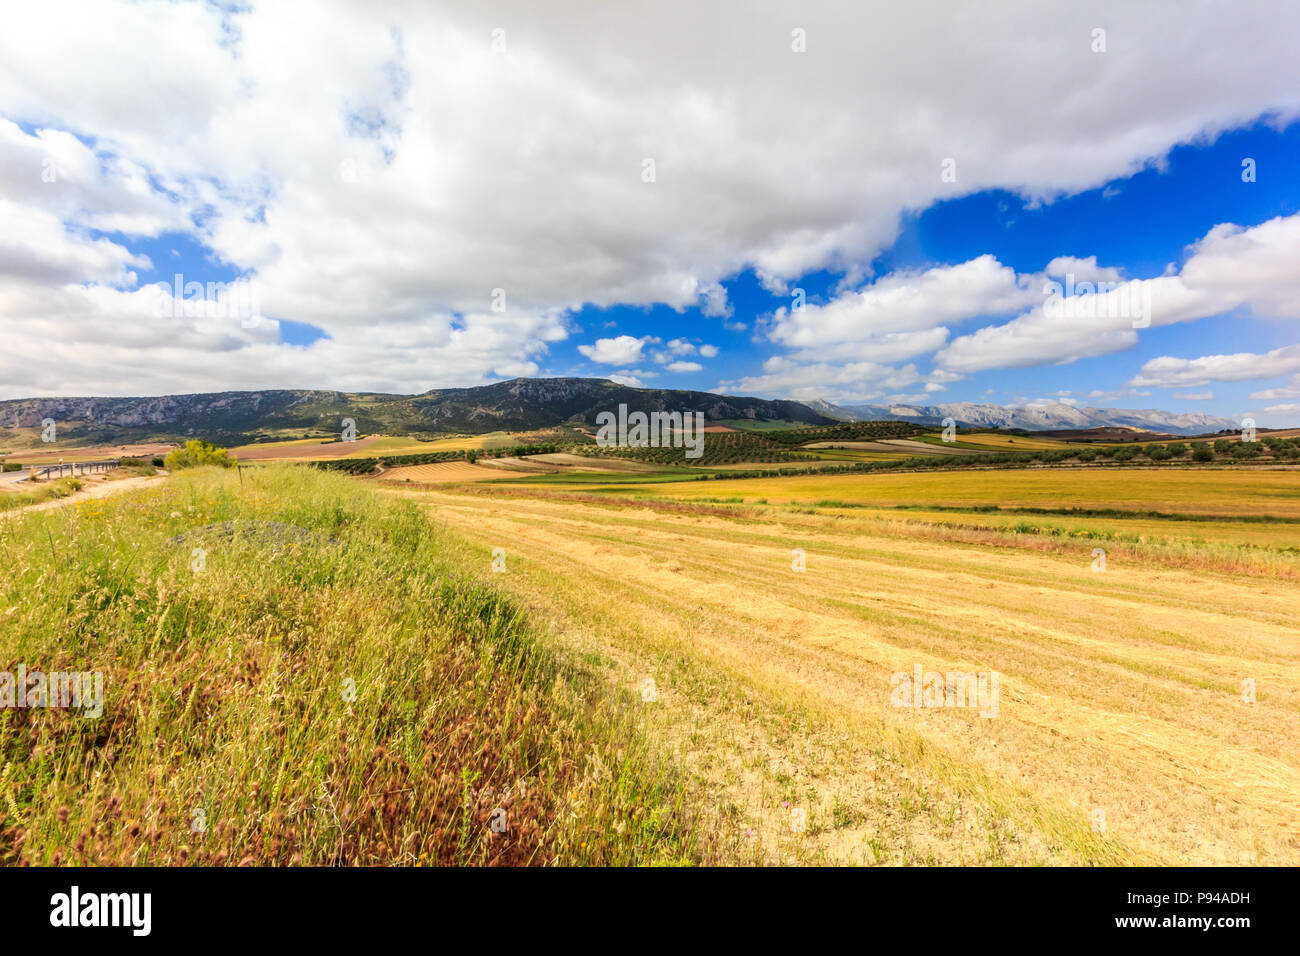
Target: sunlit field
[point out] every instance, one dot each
(1150, 674)
(1177, 491)
(296, 670)
(676, 671)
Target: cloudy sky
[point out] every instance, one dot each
(781, 199)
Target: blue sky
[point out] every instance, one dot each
(1140, 223)
(423, 198)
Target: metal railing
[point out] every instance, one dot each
(72, 469)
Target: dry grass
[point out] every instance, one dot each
(331, 686)
(1196, 491)
(1121, 692)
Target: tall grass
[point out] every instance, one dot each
(299, 672)
(59, 488)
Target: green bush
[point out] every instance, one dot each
(195, 454)
(1223, 446)
(1126, 453)
(11, 466)
(1202, 452)
(1157, 452)
(1176, 449)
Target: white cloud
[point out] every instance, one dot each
(382, 170)
(917, 303)
(1082, 270)
(1290, 390)
(849, 383)
(622, 350)
(684, 367)
(1230, 268)
(1196, 396)
(1166, 371)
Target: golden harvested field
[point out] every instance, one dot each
(299, 451)
(313, 449)
(1146, 713)
(1227, 491)
(996, 441)
(52, 453)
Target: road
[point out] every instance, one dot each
(101, 489)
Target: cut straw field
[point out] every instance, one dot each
(1149, 712)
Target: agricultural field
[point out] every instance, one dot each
(442, 471)
(314, 449)
(1157, 691)
(730, 646)
(1226, 491)
(48, 454)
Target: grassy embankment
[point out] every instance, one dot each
(58, 488)
(309, 675)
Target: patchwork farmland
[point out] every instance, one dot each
(1124, 614)
(1158, 692)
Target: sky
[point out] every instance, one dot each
(918, 203)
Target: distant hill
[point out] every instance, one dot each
(522, 404)
(1038, 417)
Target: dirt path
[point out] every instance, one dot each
(100, 489)
(1122, 733)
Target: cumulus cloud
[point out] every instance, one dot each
(622, 350)
(382, 169)
(1230, 268)
(1166, 371)
(851, 382)
(1290, 390)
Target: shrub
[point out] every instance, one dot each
(1246, 449)
(1087, 455)
(1125, 453)
(1202, 452)
(11, 466)
(1223, 446)
(156, 462)
(1176, 449)
(195, 454)
(1157, 452)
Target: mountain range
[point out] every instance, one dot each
(521, 404)
(1044, 416)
